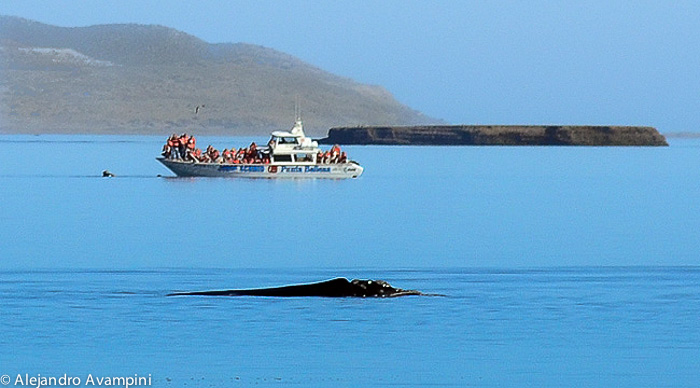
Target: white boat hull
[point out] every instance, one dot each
(269, 171)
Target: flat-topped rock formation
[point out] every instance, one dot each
(528, 135)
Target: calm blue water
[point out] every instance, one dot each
(561, 267)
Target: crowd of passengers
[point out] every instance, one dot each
(184, 147)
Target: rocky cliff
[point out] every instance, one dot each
(497, 135)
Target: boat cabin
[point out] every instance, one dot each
(293, 147)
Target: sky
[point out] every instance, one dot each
(598, 62)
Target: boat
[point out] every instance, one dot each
(288, 154)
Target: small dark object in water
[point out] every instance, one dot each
(339, 287)
(107, 174)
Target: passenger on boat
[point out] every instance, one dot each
(213, 154)
(166, 151)
(240, 156)
(252, 155)
(335, 154)
(231, 157)
(343, 157)
(182, 145)
(191, 144)
(196, 156)
(174, 144)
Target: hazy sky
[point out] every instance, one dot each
(501, 62)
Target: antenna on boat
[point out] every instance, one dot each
(297, 109)
(298, 124)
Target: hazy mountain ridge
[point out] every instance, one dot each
(130, 78)
(126, 44)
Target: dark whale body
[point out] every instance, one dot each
(336, 288)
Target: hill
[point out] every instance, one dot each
(147, 79)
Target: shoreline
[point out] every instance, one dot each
(321, 136)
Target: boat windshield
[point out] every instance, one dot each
(285, 140)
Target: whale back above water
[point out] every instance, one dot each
(338, 287)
